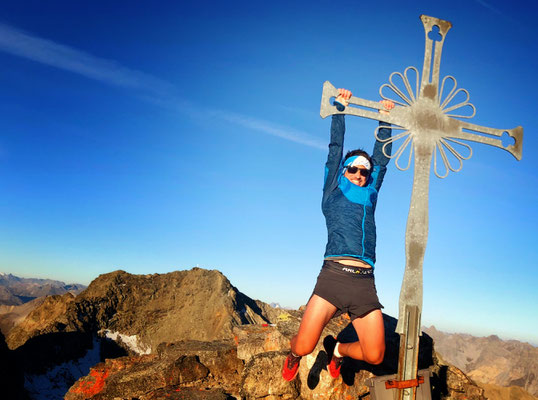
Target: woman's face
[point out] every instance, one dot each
(360, 177)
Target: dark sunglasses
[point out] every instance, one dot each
(353, 170)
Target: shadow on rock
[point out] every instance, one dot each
(45, 351)
(320, 364)
(439, 383)
(11, 378)
(41, 352)
(392, 346)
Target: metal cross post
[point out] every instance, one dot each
(427, 127)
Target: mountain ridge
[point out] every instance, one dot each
(490, 359)
(15, 290)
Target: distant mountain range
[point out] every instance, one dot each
(15, 291)
(490, 360)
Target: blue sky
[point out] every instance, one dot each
(152, 138)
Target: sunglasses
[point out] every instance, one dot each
(353, 170)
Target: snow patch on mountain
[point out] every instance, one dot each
(130, 341)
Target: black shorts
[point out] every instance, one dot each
(350, 289)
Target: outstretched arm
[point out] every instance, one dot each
(336, 145)
(379, 158)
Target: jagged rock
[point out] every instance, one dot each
(147, 309)
(186, 393)
(150, 306)
(220, 357)
(264, 349)
(214, 367)
(108, 380)
(249, 367)
(273, 314)
(48, 317)
(262, 378)
(255, 339)
(11, 316)
(140, 312)
(450, 382)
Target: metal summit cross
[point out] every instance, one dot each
(427, 127)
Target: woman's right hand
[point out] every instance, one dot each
(343, 97)
(387, 106)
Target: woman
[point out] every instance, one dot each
(346, 280)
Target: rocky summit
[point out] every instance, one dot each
(191, 335)
(146, 310)
(248, 367)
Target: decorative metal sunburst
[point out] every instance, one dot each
(408, 96)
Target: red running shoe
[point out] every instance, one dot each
(290, 367)
(336, 362)
(334, 366)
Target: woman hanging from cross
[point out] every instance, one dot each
(346, 281)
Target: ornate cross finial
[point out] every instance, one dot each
(427, 128)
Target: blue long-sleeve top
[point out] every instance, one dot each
(348, 208)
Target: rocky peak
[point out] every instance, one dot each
(197, 304)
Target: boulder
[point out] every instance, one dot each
(213, 371)
(220, 358)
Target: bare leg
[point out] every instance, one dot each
(371, 344)
(317, 314)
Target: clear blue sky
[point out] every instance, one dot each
(157, 137)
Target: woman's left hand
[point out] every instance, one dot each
(343, 97)
(387, 105)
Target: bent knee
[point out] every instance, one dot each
(374, 357)
(303, 349)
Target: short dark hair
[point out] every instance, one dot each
(359, 152)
